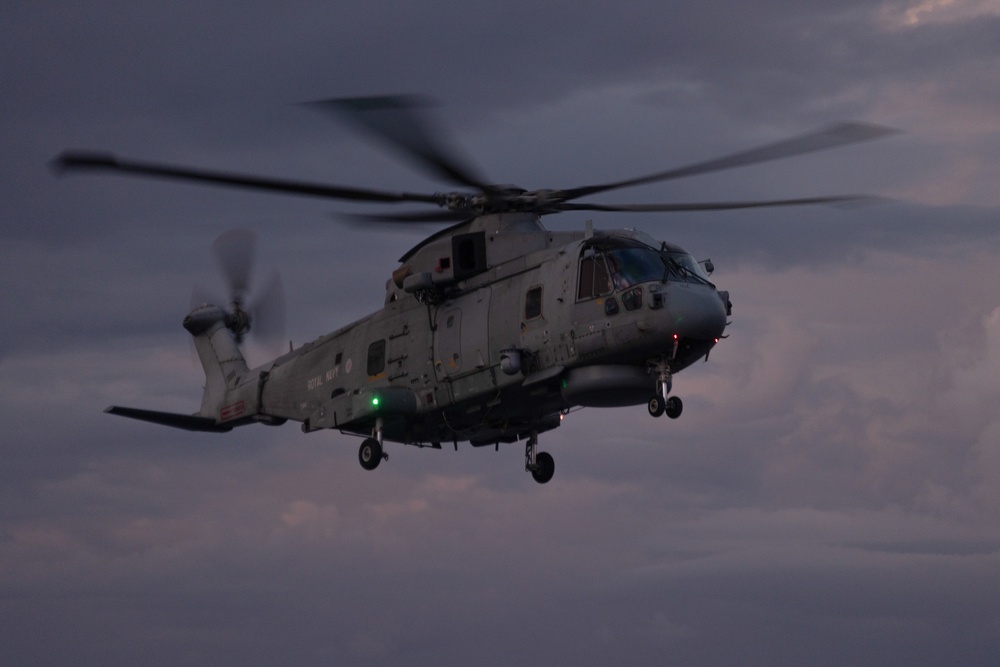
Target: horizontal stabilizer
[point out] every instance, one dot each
(187, 422)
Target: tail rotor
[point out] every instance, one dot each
(261, 313)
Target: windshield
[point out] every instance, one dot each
(630, 266)
(687, 264)
(634, 265)
(617, 264)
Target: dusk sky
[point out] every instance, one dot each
(830, 496)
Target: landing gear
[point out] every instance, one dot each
(541, 465)
(656, 406)
(674, 407)
(660, 404)
(545, 467)
(370, 454)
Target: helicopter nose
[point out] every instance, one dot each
(698, 313)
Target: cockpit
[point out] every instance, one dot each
(612, 263)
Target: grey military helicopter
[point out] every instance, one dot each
(493, 328)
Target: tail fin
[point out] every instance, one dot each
(220, 357)
(224, 369)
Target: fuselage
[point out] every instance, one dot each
(495, 329)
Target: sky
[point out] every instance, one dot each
(830, 496)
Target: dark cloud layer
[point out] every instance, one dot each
(828, 497)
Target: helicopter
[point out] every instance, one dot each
(493, 328)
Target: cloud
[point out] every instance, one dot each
(830, 484)
(914, 14)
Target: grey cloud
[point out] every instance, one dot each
(828, 497)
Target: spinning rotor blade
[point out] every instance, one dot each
(396, 120)
(268, 312)
(716, 206)
(84, 160)
(410, 217)
(264, 313)
(235, 252)
(832, 137)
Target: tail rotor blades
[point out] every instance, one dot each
(235, 251)
(268, 312)
(262, 313)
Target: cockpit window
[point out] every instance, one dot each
(626, 262)
(687, 265)
(594, 277)
(631, 266)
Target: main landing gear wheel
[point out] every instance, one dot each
(656, 406)
(370, 454)
(545, 467)
(540, 464)
(674, 407)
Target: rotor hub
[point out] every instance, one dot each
(238, 322)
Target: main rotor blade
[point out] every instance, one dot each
(832, 137)
(407, 218)
(716, 206)
(96, 161)
(397, 121)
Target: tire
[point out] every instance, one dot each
(370, 454)
(545, 467)
(656, 407)
(674, 407)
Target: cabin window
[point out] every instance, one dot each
(594, 277)
(469, 254)
(465, 258)
(533, 303)
(376, 357)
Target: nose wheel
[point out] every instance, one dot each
(660, 403)
(656, 406)
(671, 407)
(674, 407)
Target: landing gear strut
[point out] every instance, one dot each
(660, 403)
(370, 454)
(541, 465)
